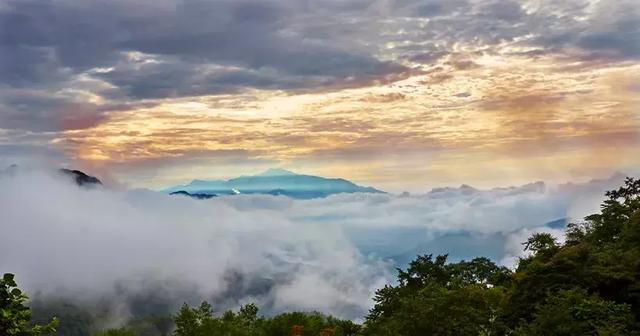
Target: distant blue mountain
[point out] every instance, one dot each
(558, 223)
(274, 182)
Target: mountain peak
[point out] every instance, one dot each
(276, 172)
(81, 178)
(275, 181)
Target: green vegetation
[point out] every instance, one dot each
(589, 285)
(200, 320)
(15, 317)
(436, 298)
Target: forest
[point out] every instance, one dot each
(587, 285)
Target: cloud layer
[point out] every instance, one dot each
(94, 243)
(325, 254)
(123, 50)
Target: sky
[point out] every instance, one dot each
(396, 94)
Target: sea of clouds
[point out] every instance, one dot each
(327, 254)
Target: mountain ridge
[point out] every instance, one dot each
(274, 181)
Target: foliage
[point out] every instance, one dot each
(116, 332)
(15, 317)
(540, 242)
(142, 326)
(73, 319)
(601, 257)
(197, 321)
(436, 298)
(574, 312)
(589, 285)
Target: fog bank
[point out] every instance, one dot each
(325, 254)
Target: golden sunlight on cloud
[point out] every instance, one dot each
(482, 119)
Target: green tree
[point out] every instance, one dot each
(590, 285)
(574, 312)
(308, 324)
(601, 257)
(196, 321)
(116, 332)
(436, 298)
(15, 317)
(74, 318)
(540, 242)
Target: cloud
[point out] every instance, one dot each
(434, 8)
(281, 44)
(96, 242)
(47, 40)
(26, 153)
(326, 254)
(428, 57)
(64, 64)
(308, 70)
(74, 61)
(514, 248)
(600, 30)
(42, 112)
(510, 11)
(464, 65)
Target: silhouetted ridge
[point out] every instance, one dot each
(195, 195)
(81, 178)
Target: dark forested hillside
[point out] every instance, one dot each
(588, 285)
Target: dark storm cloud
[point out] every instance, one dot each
(173, 77)
(623, 39)
(42, 112)
(428, 57)
(28, 65)
(612, 30)
(269, 44)
(432, 8)
(607, 30)
(41, 39)
(504, 10)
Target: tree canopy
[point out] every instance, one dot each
(15, 316)
(590, 285)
